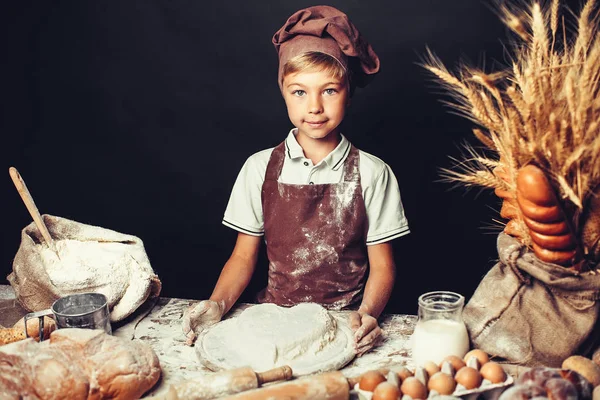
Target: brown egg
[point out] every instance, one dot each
(441, 383)
(386, 391)
(370, 379)
(456, 362)
(480, 355)
(493, 372)
(469, 377)
(404, 373)
(414, 388)
(431, 367)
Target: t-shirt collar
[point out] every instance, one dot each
(334, 160)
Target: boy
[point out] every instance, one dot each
(327, 210)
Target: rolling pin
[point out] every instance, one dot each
(226, 382)
(325, 386)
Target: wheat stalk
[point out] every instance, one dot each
(484, 139)
(584, 31)
(543, 109)
(554, 20)
(514, 23)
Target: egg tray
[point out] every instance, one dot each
(488, 392)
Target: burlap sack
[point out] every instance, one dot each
(533, 313)
(36, 291)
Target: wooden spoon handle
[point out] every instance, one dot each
(30, 204)
(276, 374)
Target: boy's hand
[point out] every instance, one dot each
(200, 316)
(367, 332)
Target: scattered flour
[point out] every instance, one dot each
(89, 266)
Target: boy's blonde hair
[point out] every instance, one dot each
(316, 61)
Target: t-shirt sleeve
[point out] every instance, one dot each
(384, 208)
(244, 209)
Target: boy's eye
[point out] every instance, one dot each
(330, 91)
(299, 93)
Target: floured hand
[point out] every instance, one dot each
(200, 316)
(367, 332)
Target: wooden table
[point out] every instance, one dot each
(159, 325)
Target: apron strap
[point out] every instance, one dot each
(275, 163)
(351, 166)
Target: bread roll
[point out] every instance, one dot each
(585, 367)
(17, 332)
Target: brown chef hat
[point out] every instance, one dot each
(327, 30)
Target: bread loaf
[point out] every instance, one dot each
(552, 238)
(77, 364)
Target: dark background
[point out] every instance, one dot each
(137, 116)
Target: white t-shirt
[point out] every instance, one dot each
(381, 194)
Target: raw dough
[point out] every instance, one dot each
(303, 329)
(306, 337)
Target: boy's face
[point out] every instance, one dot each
(316, 102)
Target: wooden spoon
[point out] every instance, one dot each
(31, 207)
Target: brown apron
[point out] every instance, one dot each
(315, 236)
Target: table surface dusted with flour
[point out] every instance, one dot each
(159, 325)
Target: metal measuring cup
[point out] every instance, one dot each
(82, 310)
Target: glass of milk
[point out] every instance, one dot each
(440, 329)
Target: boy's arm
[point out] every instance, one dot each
(382, 275)
(233, 280)
(378, 289)
(237, 272)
